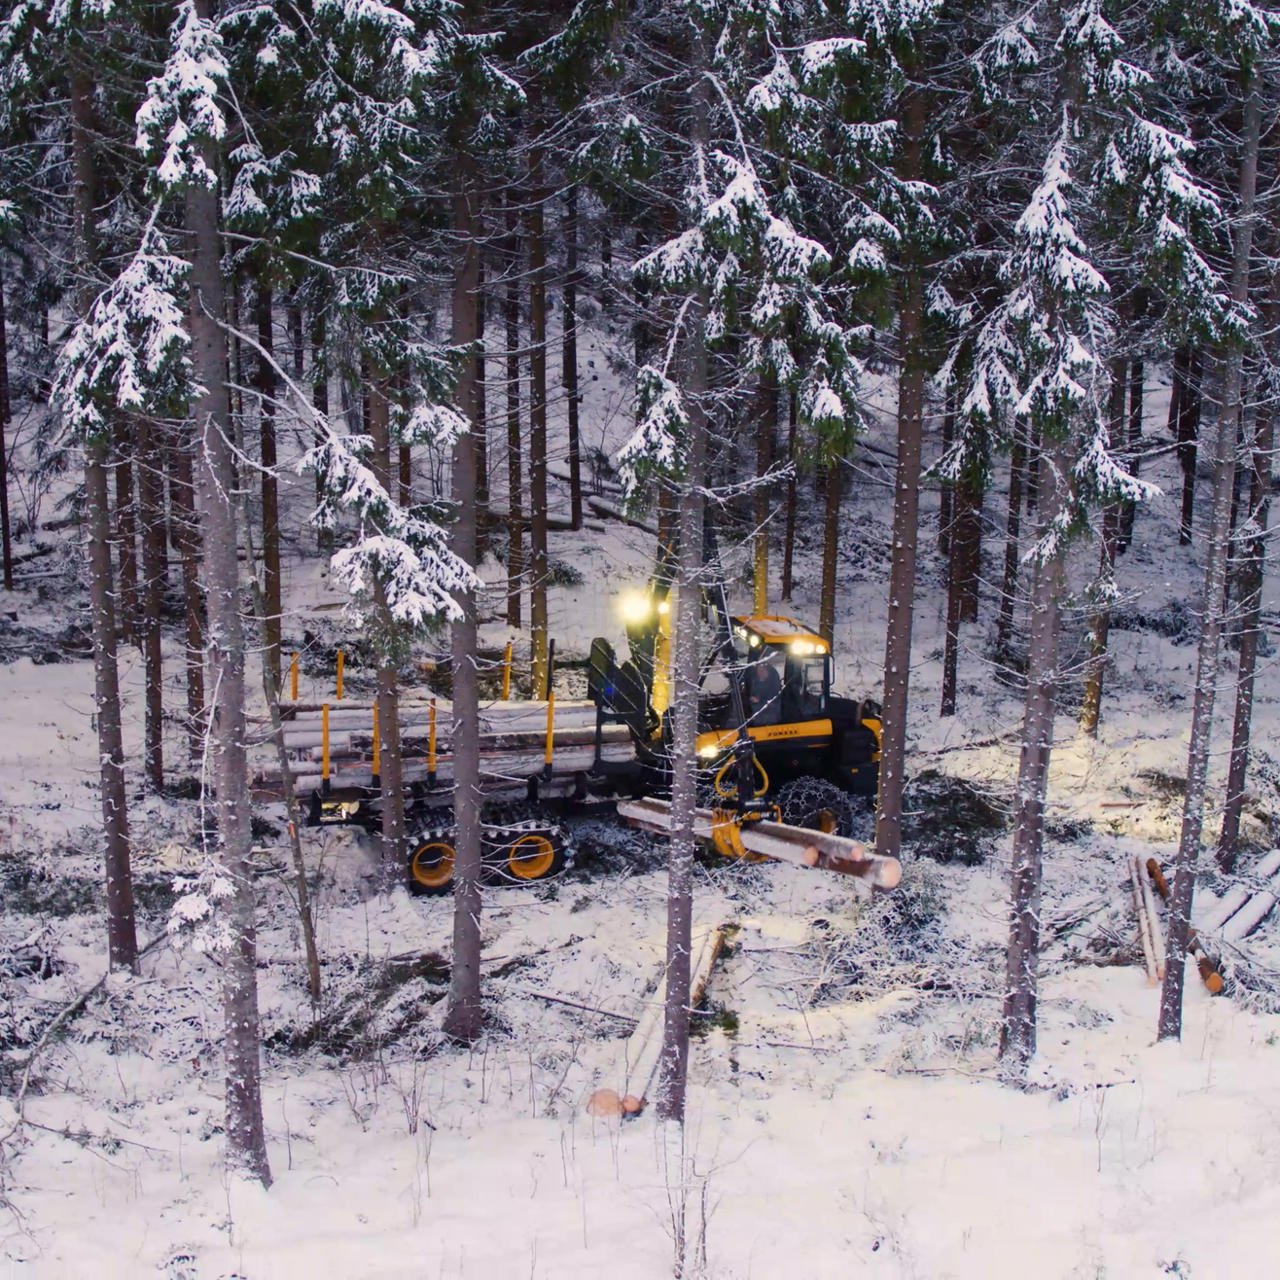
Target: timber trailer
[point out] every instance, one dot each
(782, 760)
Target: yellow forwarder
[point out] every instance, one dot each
(783, 761)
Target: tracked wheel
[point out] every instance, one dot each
(818, 805)
(522, 843)
(431, 862)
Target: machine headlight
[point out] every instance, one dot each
(635, 607)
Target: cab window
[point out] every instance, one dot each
(810, 680)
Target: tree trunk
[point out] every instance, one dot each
(297, 341)
(674, 1061)
(570, 353)
(122, 937)
(1018, 1028)
(1100, 618)
(515, 445)
(186, 536)
(270, 490)
(902, 565)
(6, 541)
(154, 573)
(126, 530)
(1252, 572)
(390, 775)
(481, 419)
(968, 539)
(830, 552)
(1186, 374)
(216, 484)
(1129, 511)
(789, 528)
(673, 1064)
(464, 1018)
(320, 400)
(946, 497)
(1013, 531)
(271, 694)
(959, 564)
(537, 425)
(767, 421)
(1170, 1025)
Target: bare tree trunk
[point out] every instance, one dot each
(673, 1063)
(955, 610)
(570, 353)
(1215, 573)
(1187, 394)
(789, 528)
(391, 773)
(1252, 572)
(126, 530)
(902, 565)
(320, 399)
(122, 937)
(1100, 618)
(270, 490)
(297, 340)
(830, 551)
(1013, 531)
(946, 497)
(537, 424)
(154, 573)
(216, 485)
(968, 538)
(271, 694)
(1018, 1028)
(480, 421)
(1137, 375)
(464, 1018)
(186, 537)
(6, 540)
(515, 445)
(767, 420)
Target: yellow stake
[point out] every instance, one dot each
(293, 679)
(324, 742)
(551, 727)
(506, 673)
(431, 739)
(377, 746)
(341, 662)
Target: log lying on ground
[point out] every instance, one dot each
(1216, 919)
(1210, 969)
(1147, 926)
(797, 846)
(644, 1045)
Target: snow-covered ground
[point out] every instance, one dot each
(845, 1114)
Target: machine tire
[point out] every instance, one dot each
(523, 844)
(817, 805)
(430, 864)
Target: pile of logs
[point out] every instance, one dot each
(335, 741)
(1229, 921)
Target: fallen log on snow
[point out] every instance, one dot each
(1148, 929)
(644, 1046)
(1210, 969)
(1218, 917)
(797, 846)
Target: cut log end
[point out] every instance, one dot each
(605, 1103)
(890, 874)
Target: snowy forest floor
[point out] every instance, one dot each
(846, 1117)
